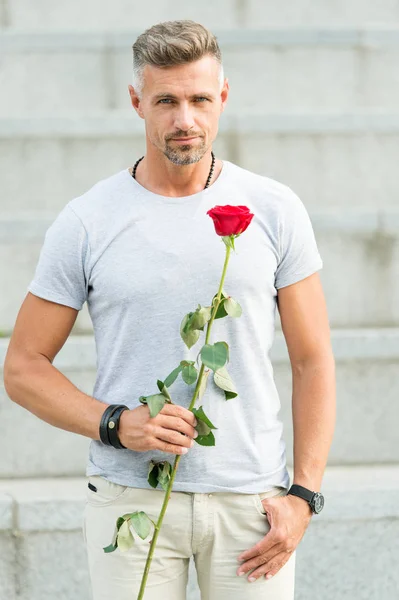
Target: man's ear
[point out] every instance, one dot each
(136, 102)
(224, 94)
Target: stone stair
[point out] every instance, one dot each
(313, 103)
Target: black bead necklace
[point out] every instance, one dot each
(207, 181)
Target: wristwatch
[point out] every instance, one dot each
(314, 499)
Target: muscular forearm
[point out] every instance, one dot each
(314, 413)
(42, 389)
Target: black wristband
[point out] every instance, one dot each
(103, 429)
(113, 426)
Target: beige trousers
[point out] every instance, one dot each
(214, 528)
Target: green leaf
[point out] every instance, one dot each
(201, 416)
(125, 537)
(141, 523)
(153, 474)
(201, 317)
(188, 335)
(127, 516)
(220, 311)
(159, 473)
(227, 349)
(223, 295)
(110, 548)
(163, 389)
(189, 374)
(155, 403)
(187, 322)
(204, 381)
(164, 474)
(202, 429)
(214, 356)
(232, 307)
(206, 440)
(171, 378)
(223, 380)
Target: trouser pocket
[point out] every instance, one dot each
(102, 492)
(276, 491)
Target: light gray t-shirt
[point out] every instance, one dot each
(142, 261)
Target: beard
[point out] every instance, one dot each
(185, 154)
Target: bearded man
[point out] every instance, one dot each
(139, 248)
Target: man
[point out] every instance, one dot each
(140, 249)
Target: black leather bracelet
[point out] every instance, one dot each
(113, 427)
(103, 429)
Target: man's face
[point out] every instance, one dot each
(182, 101)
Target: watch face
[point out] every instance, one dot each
(318, 502)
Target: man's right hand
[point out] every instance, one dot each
(140, 432)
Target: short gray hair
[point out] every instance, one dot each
(173, 43)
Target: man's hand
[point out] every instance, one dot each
(289, 517)
(171, 430)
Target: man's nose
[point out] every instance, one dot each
(184, 118)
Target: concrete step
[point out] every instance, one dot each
(360, 251)
(332, 70)
(367, 408)
(41, 518)
(219, 15)
(330, 160)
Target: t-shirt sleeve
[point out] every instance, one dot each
(60, 274)
(299, 254)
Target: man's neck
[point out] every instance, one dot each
(176, 180)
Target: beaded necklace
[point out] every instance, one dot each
(207, 181)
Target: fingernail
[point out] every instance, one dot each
(184, 450)
(252, 579)
(240, 573)
(195, 434)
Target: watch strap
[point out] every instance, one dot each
(302, 492)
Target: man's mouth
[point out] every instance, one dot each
(188, 139)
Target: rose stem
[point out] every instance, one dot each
(177, 459)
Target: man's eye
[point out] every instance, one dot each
(168, 100)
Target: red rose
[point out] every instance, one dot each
(230, 220)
